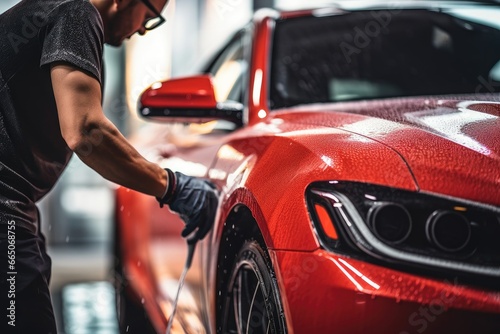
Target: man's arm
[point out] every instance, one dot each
(95, 140)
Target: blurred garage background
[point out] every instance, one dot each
(77, 216)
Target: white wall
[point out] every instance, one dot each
(6, 4)
(220, 20)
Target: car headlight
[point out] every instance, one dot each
(413, 229)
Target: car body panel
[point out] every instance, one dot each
(252, 161)
(434, 136)
(356, 293)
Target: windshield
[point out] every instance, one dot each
(377, 54)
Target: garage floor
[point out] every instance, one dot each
(82, 292)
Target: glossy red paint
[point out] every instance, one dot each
(434, 137)
(134, 213)
(257, 102)
(414, 144)
(255, 163)
(357, 294)
(183, 93)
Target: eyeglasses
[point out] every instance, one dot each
(153, 22)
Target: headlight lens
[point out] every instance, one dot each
(402, 227)
(449, 231)
(390, 222)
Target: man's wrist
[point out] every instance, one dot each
(169, 191)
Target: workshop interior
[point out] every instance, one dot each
(355, 147)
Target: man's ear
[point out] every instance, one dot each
(120, 4)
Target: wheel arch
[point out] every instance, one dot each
(240, 225)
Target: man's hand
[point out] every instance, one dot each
(195, 200)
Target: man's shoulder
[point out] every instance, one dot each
(45, 8)
(74, 35)
(40, 13)
(75, 7)
(85, 5)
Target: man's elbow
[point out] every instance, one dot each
(85, 141)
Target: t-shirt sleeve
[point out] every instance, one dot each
(75, 35)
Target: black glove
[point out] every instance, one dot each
(194, 199)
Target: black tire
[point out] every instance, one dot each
(252, 302)
(131, 316)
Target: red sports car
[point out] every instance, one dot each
(357, 155)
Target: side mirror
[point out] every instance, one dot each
(187, 100)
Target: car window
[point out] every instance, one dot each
(365, 55)
(230, 70)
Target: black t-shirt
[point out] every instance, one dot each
(33, 154)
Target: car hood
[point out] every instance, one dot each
(452, 146)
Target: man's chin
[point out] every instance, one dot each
(115, 42)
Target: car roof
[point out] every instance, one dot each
(300, 8)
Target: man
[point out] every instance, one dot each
(50, 106)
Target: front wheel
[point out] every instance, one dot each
(252, 302)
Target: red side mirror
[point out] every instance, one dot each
(183, 93)
(187, 100)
